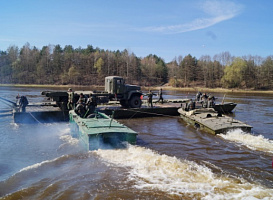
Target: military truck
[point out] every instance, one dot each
(115, 89)
(127, 95)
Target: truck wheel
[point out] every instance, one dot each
(135, 102)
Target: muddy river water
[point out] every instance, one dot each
(170, 161)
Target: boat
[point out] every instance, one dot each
(219, 107)
(207, 119)
(224, 107)
(99, 131)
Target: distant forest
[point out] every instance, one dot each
(88, 66)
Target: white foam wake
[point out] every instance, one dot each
(34, 166)
(150, 170)
(64, 131)
(68, 139)
(254, 142)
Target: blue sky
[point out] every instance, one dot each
(167, 28)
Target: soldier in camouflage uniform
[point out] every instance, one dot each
(91, 105)
(80, 108)
(150, 98)
(204, 99)
(70, 103)
(211, 101)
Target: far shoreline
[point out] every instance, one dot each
(185, 89)
(211, 90)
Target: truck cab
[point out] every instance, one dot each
(128, 95)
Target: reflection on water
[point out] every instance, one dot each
(171, 160)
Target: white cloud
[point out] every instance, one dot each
(218, 11)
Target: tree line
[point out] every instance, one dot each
(88, 66)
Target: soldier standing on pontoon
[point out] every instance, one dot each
(70, 103)
(150, 98)
(23, 102)
(160, 95)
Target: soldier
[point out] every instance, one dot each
(81, 99)
(23, 102)
(191, 105)
(160, 95)
(198, 96)
(70, 103)
(204, 96)
(150, 98)
(211, 102)
(91, 105)
(204, 100)
(80, 108)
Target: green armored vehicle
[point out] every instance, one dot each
(209, 120)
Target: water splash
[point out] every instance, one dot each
(183, 178)
(14, 126)
(37, 165)
(68, 139)
(254, 142)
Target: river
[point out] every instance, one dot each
(170, 161)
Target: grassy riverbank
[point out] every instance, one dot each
(185, 89)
